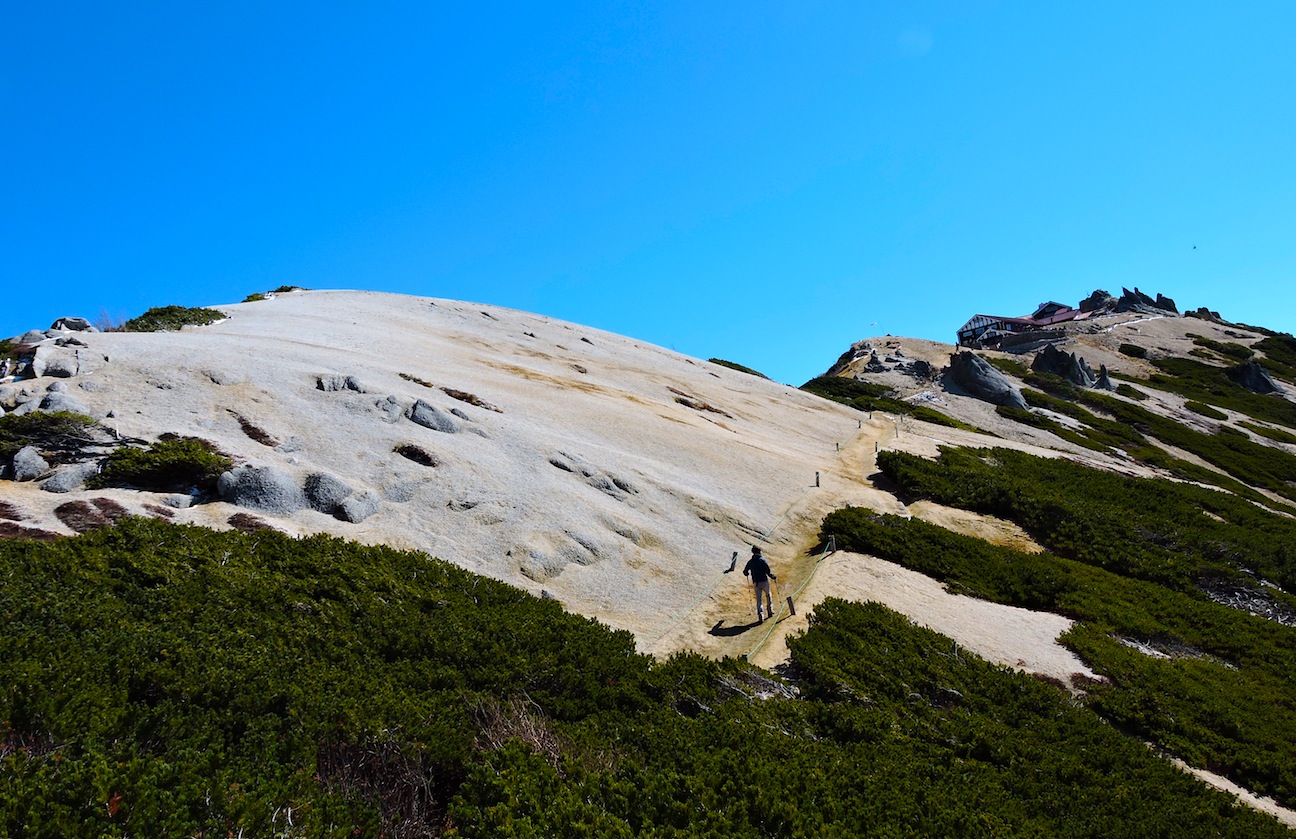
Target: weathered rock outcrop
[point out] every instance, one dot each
(1137, 301)
(1254, 378)
(1099, 301)
(1067, 365)
(1104, 382)
(974, 376)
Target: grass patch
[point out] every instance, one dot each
(1132, 350)
(171, 318)
(175, 681)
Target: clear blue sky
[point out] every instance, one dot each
(764, 182)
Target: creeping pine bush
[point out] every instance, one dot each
(176, 465)
(733, 365)
(1132, 350)
(166, 318)
(1132, 558)
(54, 433)
(866, 396)
(162, 680)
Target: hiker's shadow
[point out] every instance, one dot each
(729, 631)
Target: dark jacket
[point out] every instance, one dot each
(758, 569)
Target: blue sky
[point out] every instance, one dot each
(763, 182)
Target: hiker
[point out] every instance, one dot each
(759, 571)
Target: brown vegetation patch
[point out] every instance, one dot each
(111, 510)
(160, 512)
(10, 512)
(9, 530)
(254, 431)
(418, 454)
(471, 399)
(416, 380)
(690, 401)
(248, 523)
(80, 516)
(381, 771)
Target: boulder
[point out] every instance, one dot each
(31, 336)
(1253, 377)
(1163, 302)
(54, 361)
(973, 375)
(267, 489)
(70, 477)
(73, 325)
(429, 416)
(58, 401)
(357, 508)
(875, 364)
(325, 492)
(28, 465)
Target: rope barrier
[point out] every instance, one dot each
(829, 548)
(763, 538)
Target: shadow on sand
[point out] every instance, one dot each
(729, 631)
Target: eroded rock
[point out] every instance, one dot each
(973, 375)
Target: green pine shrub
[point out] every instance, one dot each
(180, 464)
(867, 396)
(1132, 350)
(174, 681)
(170, 318)
(733, 365)
(58, 435)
